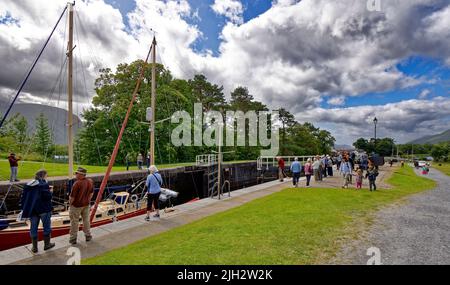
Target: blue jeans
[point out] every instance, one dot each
(13, 174)
(46, 222)
(295, 178)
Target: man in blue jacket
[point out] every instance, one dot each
(296, 168)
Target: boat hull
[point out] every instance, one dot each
(13, 238)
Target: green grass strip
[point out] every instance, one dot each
(294, 226)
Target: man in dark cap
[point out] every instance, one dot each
(79, 201)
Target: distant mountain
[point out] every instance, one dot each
(442, 137)
(57, 118)
(343, 147)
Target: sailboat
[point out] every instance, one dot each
(117, 206)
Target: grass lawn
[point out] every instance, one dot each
(445, 167)
(294, 226)
(27, 169)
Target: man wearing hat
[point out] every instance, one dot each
(79, 201)
(14, 167)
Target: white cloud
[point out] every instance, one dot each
(337, 101)
(424, 94)
(296, 55)
(232, 9)
(404, 120)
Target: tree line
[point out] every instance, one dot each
(387, 147)
(113, 91)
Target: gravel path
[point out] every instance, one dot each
(416, 232)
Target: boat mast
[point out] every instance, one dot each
(70, 90)
(153, 104)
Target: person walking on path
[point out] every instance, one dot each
(316, 169)
(148, 159)
(325, 165)
(320, 168)
(281, 169)
(308, 171)
(296, 168)
(346, 170)
(36, 204)
(372, 173)
(127, 161)
(79, 201)
(140, 161)
(330, 166)
(154, 183)
(338, 161)
(13, 164)
(359, 178)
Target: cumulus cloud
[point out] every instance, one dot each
(337, 101)
(424, 94)
(295, 55)
(232, 9)
(404, 120)
(99, 36)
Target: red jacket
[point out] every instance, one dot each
(281, 163)
(13, 161)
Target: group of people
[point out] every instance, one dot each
(36, 204)
(322, 166)
(348, 169)
(139, 161)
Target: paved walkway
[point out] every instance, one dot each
(122, 233)
(416, 232)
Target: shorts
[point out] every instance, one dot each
(153, 197)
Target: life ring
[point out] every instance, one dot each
(134, 198)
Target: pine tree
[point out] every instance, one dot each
(43, 140)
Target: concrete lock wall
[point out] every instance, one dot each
(190, 181)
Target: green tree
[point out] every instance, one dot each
(43, 139)
(287, 120)
(440, 152)
(210, 95)
(385, 146)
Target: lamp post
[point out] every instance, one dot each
(375, 121)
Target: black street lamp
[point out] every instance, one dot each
(375, 121)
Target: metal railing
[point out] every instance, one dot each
(215, 186)
(268, 161)
(206, 159)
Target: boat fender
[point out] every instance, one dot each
(33, 183)
(133, 198)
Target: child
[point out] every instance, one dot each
(425, 170)
(359, 178)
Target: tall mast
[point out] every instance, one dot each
(70, 91)
(153, 104)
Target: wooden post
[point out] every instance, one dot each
(219, 163)
(70, 91)
(153, 104)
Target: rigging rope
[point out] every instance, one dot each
(116, 147)
(32, 67)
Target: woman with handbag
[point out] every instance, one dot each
(36, 202)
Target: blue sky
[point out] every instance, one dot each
(435, 74)
(209, 23)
